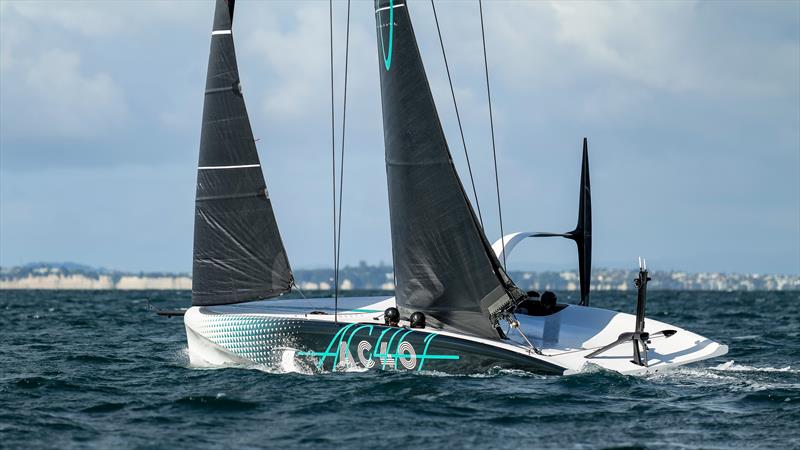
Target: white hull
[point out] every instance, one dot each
(235, 335)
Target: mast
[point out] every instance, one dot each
(443, 263)
(238, 251)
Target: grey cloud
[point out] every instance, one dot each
(691, 110)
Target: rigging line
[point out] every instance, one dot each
(514, 324)
(532, 347)
(341, 159)
(333, 162)
(491, 126)
(458, 116)
(302, 294)
(298, 290)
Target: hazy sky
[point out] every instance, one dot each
(692, 110)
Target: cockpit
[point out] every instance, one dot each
(536, 305)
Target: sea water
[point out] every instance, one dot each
(82, 369)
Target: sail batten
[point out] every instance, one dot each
(238, 252)
(444, 265)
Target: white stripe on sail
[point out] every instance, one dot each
(228, 167)
(214, 33)
(389, 7)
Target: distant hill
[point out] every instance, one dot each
(364, 276)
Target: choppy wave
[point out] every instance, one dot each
(96, 370)
(733, 367)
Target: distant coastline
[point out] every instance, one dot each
(364, 276)
(78, 276)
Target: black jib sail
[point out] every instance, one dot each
(238, 252)
(443, 263)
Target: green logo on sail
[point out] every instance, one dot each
(387, 56)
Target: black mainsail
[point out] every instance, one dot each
(238, 252)
(444, 265)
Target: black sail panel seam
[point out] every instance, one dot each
(207, 198)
